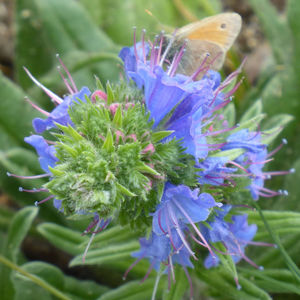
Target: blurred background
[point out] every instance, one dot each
(88, 35)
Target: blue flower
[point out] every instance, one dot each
(60, 113)
(250, 141)
(157, 249)
(214, 170)
(46, 153)
(235, 236)
(180, 206)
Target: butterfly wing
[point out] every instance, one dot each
(221, 29)
(213, 36)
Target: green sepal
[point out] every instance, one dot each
(124, 191)
(108, 144)
(118, 117)
(99, 84)
(249, 124)
(70, 131)
(226, 260)
(110, 94)
(68, 149)
(160, 190)
(230, 154)
(254, 110)
(56, 172)
(159, 135)
(146, 169)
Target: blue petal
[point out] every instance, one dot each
(46, 153)
(60, 113)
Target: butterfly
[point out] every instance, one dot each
(207, 40)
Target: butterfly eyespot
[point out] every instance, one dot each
(223, 26)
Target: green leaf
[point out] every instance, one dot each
(230, 154)
(38, 279)
(157, 136)
(146, 169)
(118, 117)
(179, 288)
(110, 94)
(229, 114)
(107, 255)
(64, 33)
(115, 234)
(289, 262)
(51, 274)
(273, 280)
(108, 144)
(23, 162)
(134, 290)
(219, 280)
(61, 237)
(6, 214)
(82, 289)
(122, 189)
(253, 111)
(15, 115)
(293, 11)
(32, 47)
(273, 126)
(50, 280)
(250, 124)
(18, 229)
(292, 185)
(118, 17)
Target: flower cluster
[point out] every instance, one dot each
(155, 151)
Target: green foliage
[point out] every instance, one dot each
(87, 35)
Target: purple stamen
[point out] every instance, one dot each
(194, 226)
(134, 44)
(34, 190)
(54, 97)
(172, 268)
(159, 49)
(258, 243)
(90, 242)
(212, 133)
(167, 49)
(170, 234)
(233, 90)
(28, 177)
(238, 286)
(68, 73)
(177, 227)
(239, 166)
(159, 222)
(65, 81)
(43, 201)
(143, 44)
(148, 272)
(37, 107)
(176, 60)
(260, 162)
(200, 69)
(278, 173)
(90, 226)
(132, 266)
(189, 280)
(196, 240)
